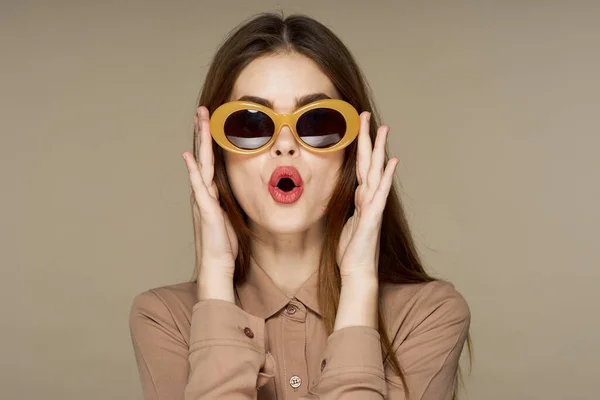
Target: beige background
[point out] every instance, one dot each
(494, 108)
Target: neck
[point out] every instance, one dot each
(288, 258)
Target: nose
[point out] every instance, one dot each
(285, 143)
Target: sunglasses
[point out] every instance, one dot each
(247, 128)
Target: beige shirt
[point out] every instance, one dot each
(273, 345)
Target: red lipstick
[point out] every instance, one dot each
(285, 185)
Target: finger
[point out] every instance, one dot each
(363, 158)
(377, 159)
(359, 195)
(196, 181)
(196, 133)
(207, 164)
(382, 192)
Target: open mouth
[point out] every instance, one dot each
(286, 184)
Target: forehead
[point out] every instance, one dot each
(282, 79)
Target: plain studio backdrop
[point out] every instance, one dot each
(494, 109)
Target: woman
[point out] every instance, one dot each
(308, 283)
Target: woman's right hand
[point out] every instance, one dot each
(219, 242)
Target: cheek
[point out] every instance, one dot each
(243, 177)
(328, 173)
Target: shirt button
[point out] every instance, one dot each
(248, 332)
(290, 309)
(323, 364)
(295, 381)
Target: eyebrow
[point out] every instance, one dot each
(302, 101)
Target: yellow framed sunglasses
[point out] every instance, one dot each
(322, 126)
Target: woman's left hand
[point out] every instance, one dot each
(358, 250)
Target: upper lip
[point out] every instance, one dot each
(285, 172)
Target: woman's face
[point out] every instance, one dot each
(282, 80)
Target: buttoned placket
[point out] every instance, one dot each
(295, 370)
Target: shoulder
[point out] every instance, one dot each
(168, 308)
(407, 306)
(173, 297)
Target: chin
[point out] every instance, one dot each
(281, 223)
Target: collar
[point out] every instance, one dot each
(259, 295)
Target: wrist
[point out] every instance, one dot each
(215, 286)
(362, 283)
(358, 303)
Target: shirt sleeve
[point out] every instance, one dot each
(429, 356)
(223, 360)
(226, 356)
(352, 367)
(160, 350)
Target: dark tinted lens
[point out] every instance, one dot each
(249, 129)
(321, 127)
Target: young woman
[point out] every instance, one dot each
(308, 281)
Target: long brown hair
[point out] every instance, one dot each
(266, 34)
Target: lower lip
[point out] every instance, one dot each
(285, 197)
